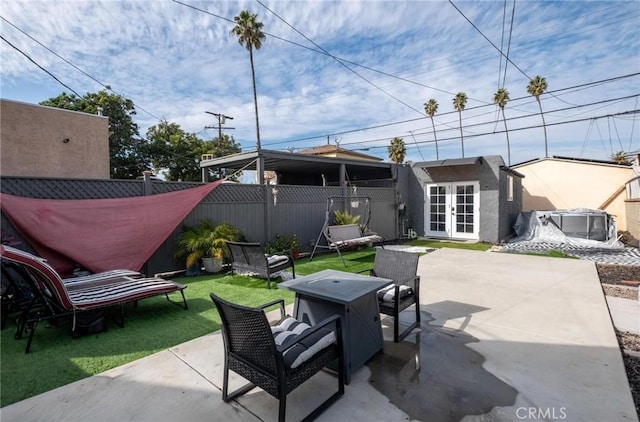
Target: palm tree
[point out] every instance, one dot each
(459, 101)
(431, 107)
(397, 150)
(620, 157)
(250, 35)
(501, 97)
(536, 87)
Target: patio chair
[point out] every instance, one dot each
(16, 293)
(277, 359)
(54, 299)
(402, 268)
(251, 258)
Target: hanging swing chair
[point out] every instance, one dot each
(343, 236)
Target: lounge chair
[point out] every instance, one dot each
(55, 298)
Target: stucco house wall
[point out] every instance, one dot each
(38, 141)
(560, 183)
(497, 212)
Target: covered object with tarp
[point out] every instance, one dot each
(579, 227)
(100, 234)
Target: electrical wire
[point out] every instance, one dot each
(42, 68)
(107, 87)
(336, 59)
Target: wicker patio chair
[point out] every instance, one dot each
(402, 268)
(253, 350)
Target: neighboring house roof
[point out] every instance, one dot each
(571, 159)
(336, 151)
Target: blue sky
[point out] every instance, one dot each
(176, 62)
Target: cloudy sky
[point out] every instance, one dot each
(354, 72)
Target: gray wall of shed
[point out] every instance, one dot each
(299, 209)
(497, 214)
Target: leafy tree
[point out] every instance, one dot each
(536, 87)
(250, 35)
(397, 150)
(431, 107)
(179, 152)
(500, 98)
(459, 102)
(220, 148)
(127, 150)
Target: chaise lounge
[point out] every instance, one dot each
(54, 297)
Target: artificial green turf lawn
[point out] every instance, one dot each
(474, 246)
(57, 359)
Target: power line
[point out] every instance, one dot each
(107, 87)
(45, 70)
(476, 135)
(336, 59)
(520, 117)
(513, 14)
(488, 40)
(343, 60)
(595, 83)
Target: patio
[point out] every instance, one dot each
(504, 337)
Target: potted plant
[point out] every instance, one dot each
(282, 244)
(344, 217)
(206, 243)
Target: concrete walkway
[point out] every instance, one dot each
(504, 337)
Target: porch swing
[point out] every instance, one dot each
(344, 236)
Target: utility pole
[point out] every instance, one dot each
(221, 120)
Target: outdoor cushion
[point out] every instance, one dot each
(388, 293)
(286, 334)
(275, 260)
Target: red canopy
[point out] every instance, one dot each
(100, 234)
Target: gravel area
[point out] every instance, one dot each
(611, 277)
(615, 274)
(620, 291)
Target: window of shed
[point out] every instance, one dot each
(509, 188)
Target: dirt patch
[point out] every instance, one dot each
(611, 277)
(615, 274)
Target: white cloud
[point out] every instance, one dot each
(176, 63)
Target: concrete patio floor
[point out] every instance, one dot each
(504, 337)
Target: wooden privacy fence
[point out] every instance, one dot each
(260, 211)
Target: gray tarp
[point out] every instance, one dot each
(542, 227)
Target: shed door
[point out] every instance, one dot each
(452, 210)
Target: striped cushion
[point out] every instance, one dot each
(113, 275)
(121, 292)
(388, 293)
(286, 334)
(275, 260)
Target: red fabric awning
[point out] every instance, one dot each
(100, 234)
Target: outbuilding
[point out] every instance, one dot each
(476, 198)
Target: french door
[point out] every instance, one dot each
(452, 210)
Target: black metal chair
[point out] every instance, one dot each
(402, 268)
(251, 351)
